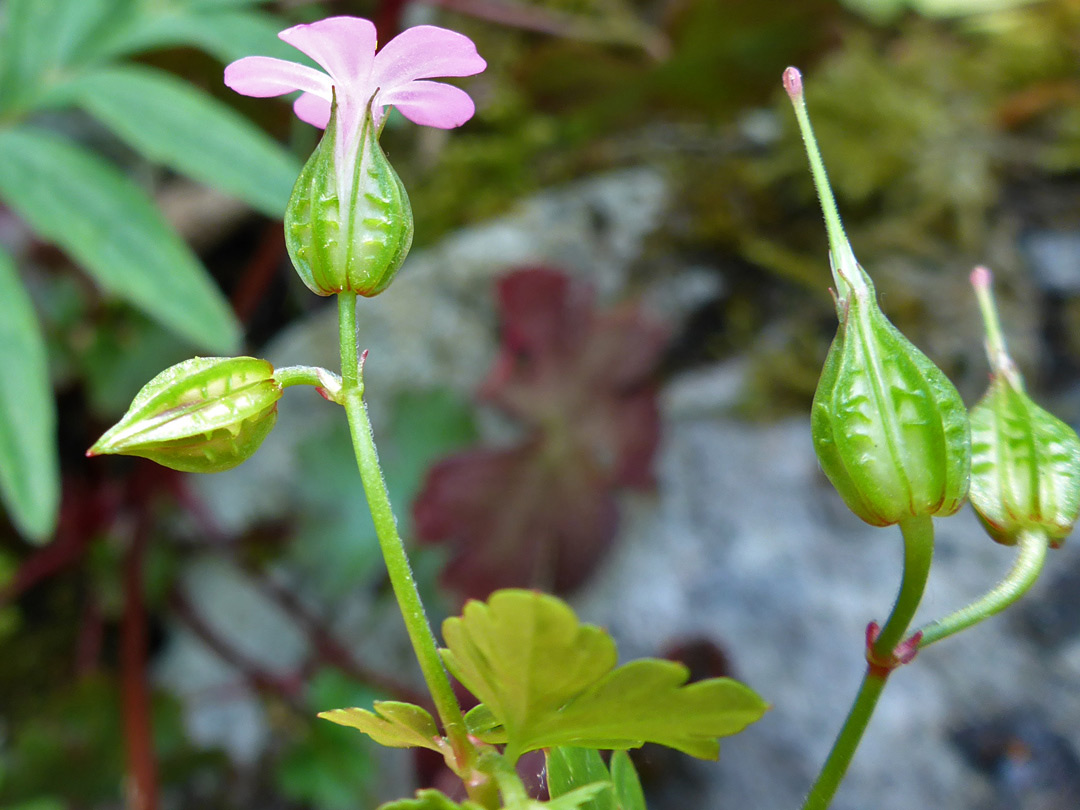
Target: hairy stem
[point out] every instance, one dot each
(1031, 555)
(390, 543)
(288, 376)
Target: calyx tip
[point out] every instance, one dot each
(981, 278)
(793, 82)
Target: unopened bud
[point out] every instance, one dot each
(348, 225)
(1025, 464)
(207, 414)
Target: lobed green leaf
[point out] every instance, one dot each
(393, 724)
(29, 474)
(548, 680)
(108, 224)
(171, 122)
(430, 799)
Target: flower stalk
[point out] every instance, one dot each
(883, 655)
(1031, 554)
(390, 542)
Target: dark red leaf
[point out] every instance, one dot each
(542, 513)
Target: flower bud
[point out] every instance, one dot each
(207, 414)
(889, 429)
(1025, 464)
(348, 225)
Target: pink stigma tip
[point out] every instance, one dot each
(793, 82)
(981, 278)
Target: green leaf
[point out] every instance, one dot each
(29, 474)
(525, 655)
(430, 799)
(225, 35)
(394, 724)
(584, 797)
(569, 768)
(214, 5)
(550, 680)
(43, 35)
(628, 792)
(171, 122)
(108, 225)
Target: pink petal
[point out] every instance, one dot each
(431, 104)
(424, 52)
(344, 46)
(312, 109)
(263, 76)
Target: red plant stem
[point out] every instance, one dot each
(63, 552)
(135, 692)
(259, 273)
(84, 511)
(388, 19)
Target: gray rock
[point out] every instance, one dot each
(747, 543)
(1054, 257)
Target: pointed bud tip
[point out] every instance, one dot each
(981, 278)
(793, 83)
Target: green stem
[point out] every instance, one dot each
(918, 550)
(505, 776)
(393, 550)
(1029, 562)
(918, 553)
(843, 750)
(330, 382)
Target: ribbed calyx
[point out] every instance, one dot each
(1025, 465)
(889, 429)
(348, 225)
(207, 414)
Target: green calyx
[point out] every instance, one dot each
(206, 414)
(890, 430)
(348, 225)
(1025, 468)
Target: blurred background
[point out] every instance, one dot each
(591, 376)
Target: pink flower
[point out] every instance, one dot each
(358, 76)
